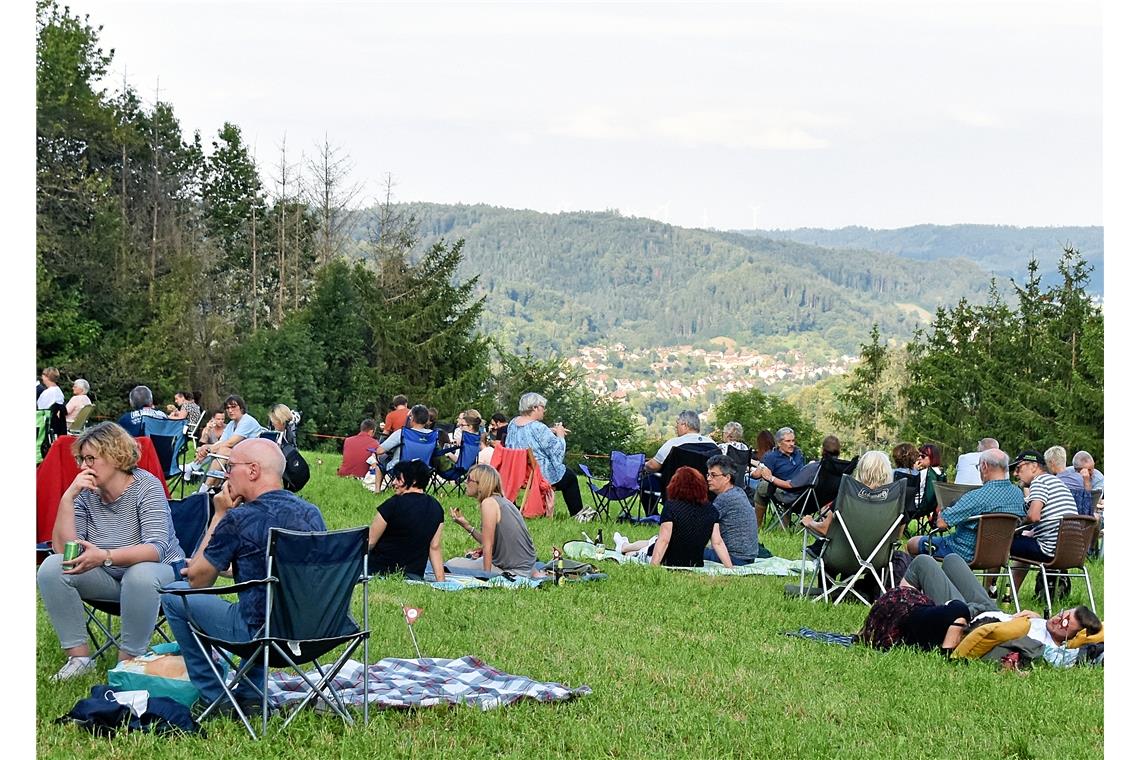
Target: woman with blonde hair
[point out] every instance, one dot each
(117, 512)
(504, 542)
(283, 420)
(873, 471)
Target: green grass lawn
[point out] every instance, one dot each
(680, 665)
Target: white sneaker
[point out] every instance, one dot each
(74, 667)
(619, 542)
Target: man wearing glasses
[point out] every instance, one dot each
(252, 501)
(997, 494)
(737, 515)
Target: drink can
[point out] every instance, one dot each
(71, 550)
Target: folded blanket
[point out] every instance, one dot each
(425, 682)
(458, 582)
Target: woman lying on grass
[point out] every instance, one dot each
(688, 523)
(935, 604)
(504, 541)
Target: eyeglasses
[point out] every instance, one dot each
(227, 466)
(716, 475)
(88, 460)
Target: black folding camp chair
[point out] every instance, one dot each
(695, 455)
(859, 542)
(309, 584)
(786, 505)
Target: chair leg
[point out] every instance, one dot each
(1088, 585)
(1048, 597)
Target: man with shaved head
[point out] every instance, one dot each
(252, 501)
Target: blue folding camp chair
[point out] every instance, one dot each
(452, 477)
(169, 439)
(309, 584)
(623, 486)
(415, 444)
(190, 516)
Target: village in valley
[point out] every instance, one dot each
(692, 376)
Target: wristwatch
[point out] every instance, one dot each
(107, 562)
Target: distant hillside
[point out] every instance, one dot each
(557, 281)
(1002, 250)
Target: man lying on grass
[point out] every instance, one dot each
(688, 523)
(935, 605)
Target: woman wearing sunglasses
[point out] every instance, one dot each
(117, 512)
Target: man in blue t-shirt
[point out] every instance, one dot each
(251, 502)
(781, 465)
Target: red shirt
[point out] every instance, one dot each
(395, 420)
(356, 451)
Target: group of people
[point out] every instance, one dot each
(48, 394)
(525, 431)
(119, 516)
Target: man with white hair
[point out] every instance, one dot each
(142, 405)
(997, 494)
(1080, 487)
(967, 471)
(1084, 467)
(252, 501)
(688, 429)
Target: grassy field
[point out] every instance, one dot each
(680, 665)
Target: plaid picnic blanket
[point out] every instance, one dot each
(459, 582)
(425, 682)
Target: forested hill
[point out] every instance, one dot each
(1002, 250)
(555, 281)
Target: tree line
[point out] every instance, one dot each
(168, 261)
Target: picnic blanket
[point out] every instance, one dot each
(826, 637)
(462, 582)
(588, 552)
(425, 682)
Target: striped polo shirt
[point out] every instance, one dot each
(1057, 501)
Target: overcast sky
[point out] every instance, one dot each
(729, 116)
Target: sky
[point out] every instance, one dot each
(769, 115)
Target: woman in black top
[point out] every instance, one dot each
(408, 528)
(688, 523)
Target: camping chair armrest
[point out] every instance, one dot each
(217, 590)
(447, 449)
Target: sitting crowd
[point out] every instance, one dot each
(121, 520)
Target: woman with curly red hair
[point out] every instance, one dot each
(688, 523)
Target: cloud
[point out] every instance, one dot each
(596, 123)
(973, 117)
(755, 129)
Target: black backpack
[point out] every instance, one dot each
(296, 468)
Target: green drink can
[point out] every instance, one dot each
(71, 550)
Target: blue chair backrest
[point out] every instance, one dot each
(468, 450)
(317, 573)
(190, 517)
(417, 444)
(626, 469)
(169, 439)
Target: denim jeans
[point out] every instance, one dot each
(217, 617)
(710, 555)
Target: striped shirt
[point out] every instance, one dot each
(1057, 501)
(141, 515)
